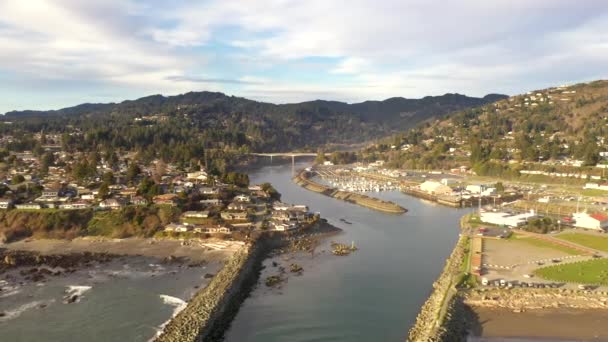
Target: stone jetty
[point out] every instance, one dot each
(210, 312)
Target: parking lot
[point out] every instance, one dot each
(514, 260)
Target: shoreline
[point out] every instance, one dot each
(365, 201)
(193, 249)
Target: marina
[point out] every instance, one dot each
(350, 180)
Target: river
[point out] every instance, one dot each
(372, 295)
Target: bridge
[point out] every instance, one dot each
(286, 154)
(293, 156)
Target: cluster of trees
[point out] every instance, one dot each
(541, 225)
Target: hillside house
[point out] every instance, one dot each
(196, 214)
(178, 227)
(111, 203)
(211, 202)
(234, 215)
(242, 198)
(238, 206)
(138, 200)
(28, 206)
(166, 199)
(75, 205)
(6, 203)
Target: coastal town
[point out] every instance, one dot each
(194, 202)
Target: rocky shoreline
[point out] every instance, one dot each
(441, 304)
(45, 265)
(303, 180)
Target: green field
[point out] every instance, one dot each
(544, 244)
(587, 240)
(586, 272)
(594, 192)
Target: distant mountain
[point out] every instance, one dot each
(278, 127)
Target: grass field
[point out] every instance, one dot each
(594, 192)
(587, 272)
(544, 244)
(587, 240)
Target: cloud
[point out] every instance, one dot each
(211, 80)
(287, 50)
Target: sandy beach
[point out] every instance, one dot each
(194, 250)
(540, 325)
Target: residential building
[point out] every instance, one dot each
(234, 215)
(242, 198)
(74, 205)
(211, 202)
(111, 203)
(6, 203)
(166, 199)
(28, 206)
(196, 214)
(238, 206)
(138, 200)
(178, 227)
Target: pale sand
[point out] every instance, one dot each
(540, 325)
(161, 248)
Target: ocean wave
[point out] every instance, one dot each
(74, 293)
(179, 305)
(14, 313)
(8, 291)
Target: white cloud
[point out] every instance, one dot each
(368, 49)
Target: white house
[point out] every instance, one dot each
(6, 203)
(591, 221)
(196, 214)
(177, 227)
(243, 198)
(197, 176)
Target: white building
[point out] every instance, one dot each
(448, 181)
(506, 219)
(435, 188)
(591, 221)
(476, 188)
(196, 214)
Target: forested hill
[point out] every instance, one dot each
(562, 126)
(264, 126)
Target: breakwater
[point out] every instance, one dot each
(436, 320)
(303, 179)
(209, 313)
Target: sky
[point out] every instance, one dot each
(59, 53)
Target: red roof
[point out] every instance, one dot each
(599, 217)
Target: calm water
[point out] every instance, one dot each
(371, 295)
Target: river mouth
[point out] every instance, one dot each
(373, 294)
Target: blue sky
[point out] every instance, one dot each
(58, 53)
